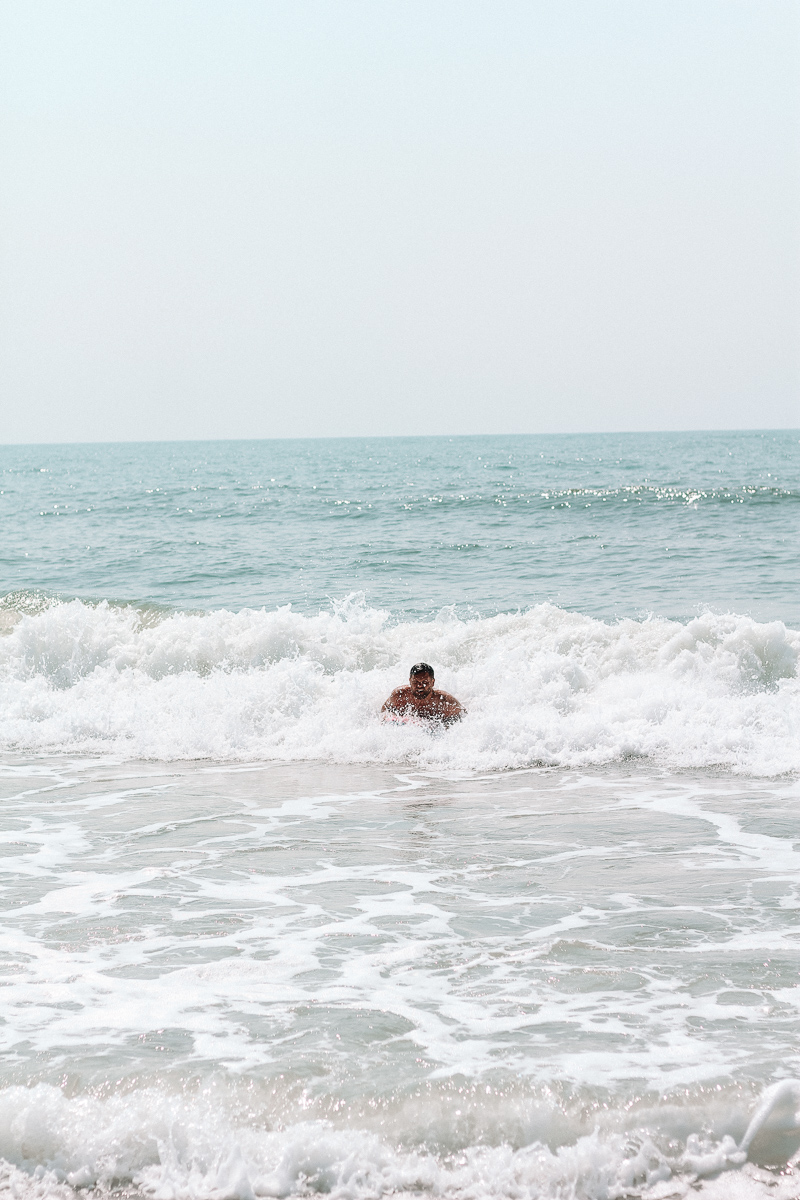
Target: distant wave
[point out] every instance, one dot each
(543, 686)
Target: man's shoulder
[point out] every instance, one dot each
(440, 695)
(401, 693)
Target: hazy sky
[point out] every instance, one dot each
(267, 218)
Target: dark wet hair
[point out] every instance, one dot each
(421, 669)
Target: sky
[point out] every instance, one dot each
(290, 218)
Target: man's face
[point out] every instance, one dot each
(421, 685)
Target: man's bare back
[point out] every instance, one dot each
(419, 698)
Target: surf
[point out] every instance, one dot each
(543, 686)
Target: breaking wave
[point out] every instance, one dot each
(168, 1145)
(544, 686)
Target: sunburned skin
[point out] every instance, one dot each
(419, 698)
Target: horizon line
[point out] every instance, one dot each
(395, 437)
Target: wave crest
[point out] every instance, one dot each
(543, 686)
(162, 1144)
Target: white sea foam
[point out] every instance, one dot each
(546, 986)
(171, 1145)
(541, 686)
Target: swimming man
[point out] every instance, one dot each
(421, 699)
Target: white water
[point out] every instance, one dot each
(230, 981)
(542, 686)
(170, 1147)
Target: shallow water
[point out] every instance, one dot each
(256, 942)
(378, 980)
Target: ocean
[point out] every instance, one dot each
(258, 942)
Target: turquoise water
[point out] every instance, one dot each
(607, 525)
(257, 942)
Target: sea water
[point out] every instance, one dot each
(255, 942)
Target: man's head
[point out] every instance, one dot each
(421, 680)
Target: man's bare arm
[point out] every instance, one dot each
(396, 702)
(449, 707)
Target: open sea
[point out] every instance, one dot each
(256, 942)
